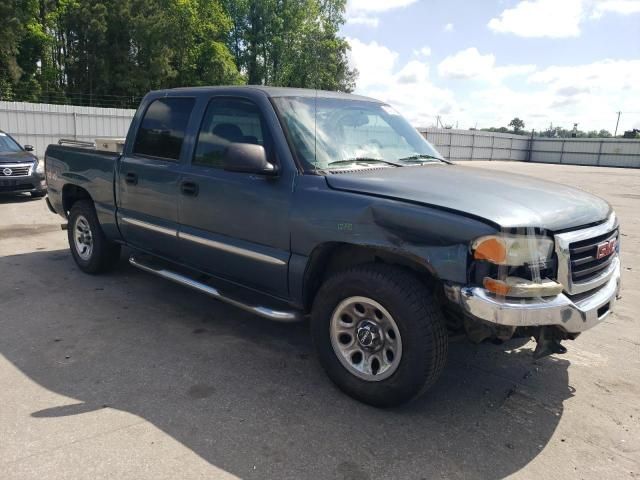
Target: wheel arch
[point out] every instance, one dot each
(331, 257)
(71, 194)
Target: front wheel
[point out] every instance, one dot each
(379, 334)
(91, 250)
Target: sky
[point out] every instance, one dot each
(479, 63)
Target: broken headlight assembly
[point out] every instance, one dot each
(512, 265)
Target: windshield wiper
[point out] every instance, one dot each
(421, 158)
(363, 160)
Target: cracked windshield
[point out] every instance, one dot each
(330, 133)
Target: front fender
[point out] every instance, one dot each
(438, 238)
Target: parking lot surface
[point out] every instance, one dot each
(126, 375)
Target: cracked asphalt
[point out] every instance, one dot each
(129, 376)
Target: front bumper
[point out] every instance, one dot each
(28, 183)
(574, 314)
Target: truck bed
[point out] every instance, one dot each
(92, 171)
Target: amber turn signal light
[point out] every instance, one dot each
(491, 249)
(496, 286)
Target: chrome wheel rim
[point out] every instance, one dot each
(365, 338)
(83, 239)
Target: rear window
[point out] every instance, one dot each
(163, 127)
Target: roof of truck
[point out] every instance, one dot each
(277, 91)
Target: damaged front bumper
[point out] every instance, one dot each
(573, 314)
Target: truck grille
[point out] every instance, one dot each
(15, 170)
(579, 268)
(585, 265)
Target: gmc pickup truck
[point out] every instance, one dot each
(290, 203)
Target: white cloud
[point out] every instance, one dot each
(376, 5)
(556, 18)
(589, 94)
(448, 27)
(407, 87)
(471, 64)
(467, 63)
(360, 12)
(364, 20)
(623, 7)
(541, 18)
(424, 51)
(374, 62)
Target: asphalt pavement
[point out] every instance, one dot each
(126, 375)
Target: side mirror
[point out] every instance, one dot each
(28, 148)
(247, 158)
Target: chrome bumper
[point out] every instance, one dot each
(574, 315)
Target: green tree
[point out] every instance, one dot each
(14, 15)
(111, 52)
(604, 133)
(517, 125)
(293, 43)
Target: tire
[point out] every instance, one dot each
(95, 254)
(38, 194)
(418, 357)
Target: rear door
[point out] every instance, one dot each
(236, 225)
(149, 176)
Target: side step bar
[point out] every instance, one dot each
(265, 312)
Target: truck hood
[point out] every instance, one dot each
(16, 157)
(505, 199)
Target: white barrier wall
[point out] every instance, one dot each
(40, 124)
(479, 145)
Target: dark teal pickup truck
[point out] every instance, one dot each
(289, 202)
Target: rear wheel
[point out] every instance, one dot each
(379, 334)
(91, 250)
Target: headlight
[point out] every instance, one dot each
(512, 250)
(40, 166)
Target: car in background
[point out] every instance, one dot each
(20, 169)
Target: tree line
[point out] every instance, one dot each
(111, 52)
(518, 126)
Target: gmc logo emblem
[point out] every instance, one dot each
(606, 248)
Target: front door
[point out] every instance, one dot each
(235, 225)
(149, 177)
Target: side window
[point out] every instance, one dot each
(227, 121)
(162, 129)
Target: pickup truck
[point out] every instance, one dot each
(293, 203)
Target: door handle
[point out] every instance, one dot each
(131, 178)
(189, 188)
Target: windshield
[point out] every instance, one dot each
(7, 144)
(337, 133)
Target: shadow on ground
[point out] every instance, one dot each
(6, 198)
(242, 392)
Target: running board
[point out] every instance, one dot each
(265, 312)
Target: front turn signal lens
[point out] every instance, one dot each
(522, 288)
(496, 286)
(491, 249)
